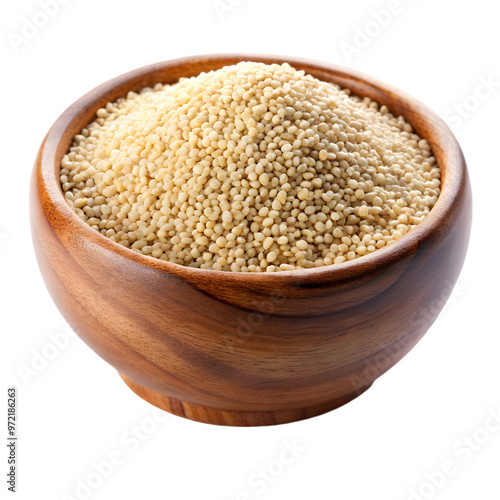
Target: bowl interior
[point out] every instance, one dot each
(425, 122)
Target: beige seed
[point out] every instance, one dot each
(363, 211)
(303, 194)
(80, 202)
(301, 244)
(276, 205)
(227, 216)
(264, 179)
(259, 110)
(267, 243)
(271, 256)
(109, 191)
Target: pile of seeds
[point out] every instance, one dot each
(252, 167)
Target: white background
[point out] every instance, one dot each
(75, 411)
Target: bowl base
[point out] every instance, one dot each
(217, 416)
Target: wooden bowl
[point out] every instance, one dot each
(247, 348)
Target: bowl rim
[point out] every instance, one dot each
(443, 143)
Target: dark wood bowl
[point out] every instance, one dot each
(249, 348)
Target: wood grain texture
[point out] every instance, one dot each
(244, 348)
